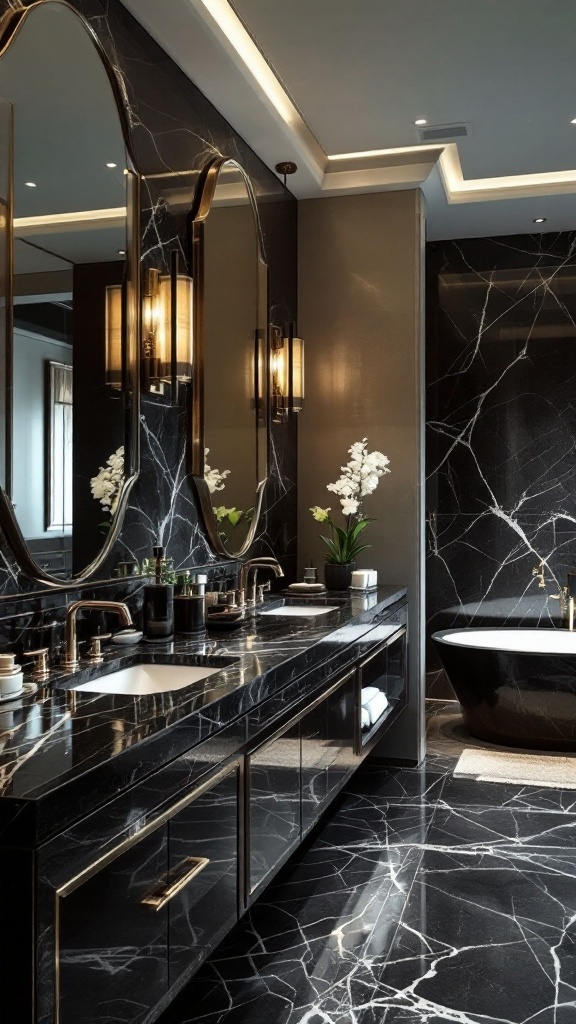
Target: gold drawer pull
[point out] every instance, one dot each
(159, 901)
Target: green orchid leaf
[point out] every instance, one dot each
(334, 555)
(356, 550)
(359, 527)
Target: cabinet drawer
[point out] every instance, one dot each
(133, 923)
(327, 750)
(203, 845)
(110, 947)
(273, 806)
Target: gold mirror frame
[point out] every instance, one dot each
(201, 206)
(11, 25)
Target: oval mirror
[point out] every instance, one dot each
(230, 435)
(69, 414)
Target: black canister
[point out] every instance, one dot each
(190, 607)
(158, 610)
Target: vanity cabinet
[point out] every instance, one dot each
(143, 916)
(125, 902)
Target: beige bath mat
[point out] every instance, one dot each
(558, 772)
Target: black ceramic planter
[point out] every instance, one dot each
(337, 576)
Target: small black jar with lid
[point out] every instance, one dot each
(190, 605)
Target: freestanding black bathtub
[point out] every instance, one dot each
(516, 686)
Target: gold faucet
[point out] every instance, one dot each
(70, 659)
(256, 564)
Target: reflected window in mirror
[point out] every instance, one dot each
(71, 185)
(60, 449)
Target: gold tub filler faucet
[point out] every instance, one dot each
(566, 597)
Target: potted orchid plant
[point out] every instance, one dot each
(360, 477)
(107, 485)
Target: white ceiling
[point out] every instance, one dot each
(360, 73)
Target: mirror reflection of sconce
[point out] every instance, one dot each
(114, 335)
(167, 330)
(287, 358)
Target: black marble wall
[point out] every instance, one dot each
(501, 431)
(174, 129)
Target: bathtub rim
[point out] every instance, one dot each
(440, 635)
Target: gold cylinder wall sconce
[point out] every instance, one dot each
(296, 373)
(114, 335)
(167, 329)
(176, 327)
(287, 363)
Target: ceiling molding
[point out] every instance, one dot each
(113, 217)
(278, 127)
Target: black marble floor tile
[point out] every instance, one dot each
(490, 828)
(486, 938)
(469, 793)
(398, 786)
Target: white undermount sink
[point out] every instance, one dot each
(139, 680)
(305, 611)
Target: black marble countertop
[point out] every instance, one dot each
(64, 752)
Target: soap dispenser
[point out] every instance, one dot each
(158, 612)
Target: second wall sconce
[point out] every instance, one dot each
(287, 358)
(167, 330)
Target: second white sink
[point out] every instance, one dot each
(301, 610)
(139, 680)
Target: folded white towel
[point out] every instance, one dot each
(365, 718)
(376, 707)
(367, 693)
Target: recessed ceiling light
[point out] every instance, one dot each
(539, 220)
(121, 252)
(421, 121)
(30, 184)
(573, 121)
(111, 165)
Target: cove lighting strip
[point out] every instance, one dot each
(249, 58)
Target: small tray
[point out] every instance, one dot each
(364, 590)
(225, 621)
(316, 591)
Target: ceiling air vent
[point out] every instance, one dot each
(443, 132)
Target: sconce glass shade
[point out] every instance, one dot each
(114, 335)
(280, 370)
(288, 374)
(296, 389)
(178, 322)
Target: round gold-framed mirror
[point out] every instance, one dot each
(230, 421)
(69, 235)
